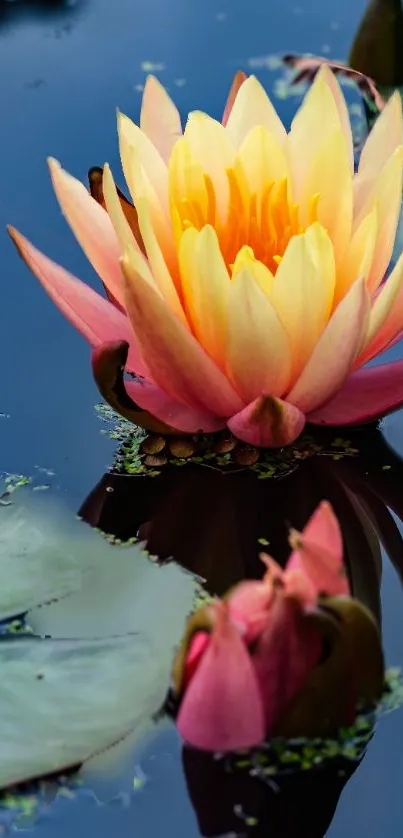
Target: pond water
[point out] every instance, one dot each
(64, 68)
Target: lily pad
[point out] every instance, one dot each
(63, 700)
(97, 667)
(37, 563)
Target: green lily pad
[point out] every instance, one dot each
(64, 700)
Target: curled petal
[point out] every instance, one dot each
(96, 318)
(108, 362)
(141, 401)
(364, 647)
(268, 422)
(327, 698)
(221, 709)
(366, 395)
(308, 65)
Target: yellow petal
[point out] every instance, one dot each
(303, 292)
(386, 195)
(383, 140)
(334, 353)
(253, 107)
(175, 359)
(159, 117)
(135, 149)
(258, 350)
(317, 116)
(359, 255)
(261, 159)
(155, 271)
(132, 137)
(205, 284)
(91, 226)
(211, 146)
(246, 259)
(342, 108)
(187, 186)
(330, 177)
(114, 208)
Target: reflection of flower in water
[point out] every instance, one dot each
(214, 521)
(230, 801)
(292, 655)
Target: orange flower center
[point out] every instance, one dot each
(264, 222)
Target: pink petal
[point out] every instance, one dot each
(179, 416)
(368, 394)
(198, 646)
(237, 82)
(267, 422)
(388, 322)
(97, 319)
(318, 553)
(249, 604)
(221, 709)
(323, 528)
(294, 583)
(142, 402)
(91, 226)
(287, 651)
(334, 352)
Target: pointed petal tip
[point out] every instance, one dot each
(318, 553)
(368, 394)
(20, 242)
(222, 709)
(268, 422)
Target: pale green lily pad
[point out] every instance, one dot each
(36, 563)
(61, 701)
(46, 555)
(101, 668)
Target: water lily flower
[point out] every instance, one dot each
(290, 655)
(246, 286)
